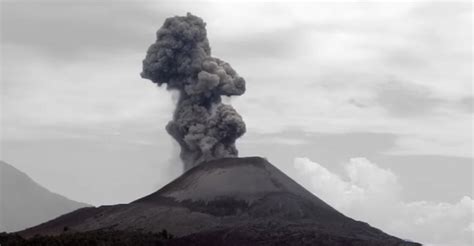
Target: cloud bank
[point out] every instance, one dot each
(373, 194)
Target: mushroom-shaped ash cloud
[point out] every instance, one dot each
(204, 127)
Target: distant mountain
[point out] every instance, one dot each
(231, 201)
(24, 203)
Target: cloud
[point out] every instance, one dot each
(373, 194)
(267, 44)
(468, 104)
(77, 96)
(74, 29)
(406, 99)
(436, 143)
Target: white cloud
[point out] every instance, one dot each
(369, 193)
(95, 96)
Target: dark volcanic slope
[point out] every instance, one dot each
(24, 203)
(236, 201)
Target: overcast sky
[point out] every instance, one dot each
(369, 106)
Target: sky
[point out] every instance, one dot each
(368, 105)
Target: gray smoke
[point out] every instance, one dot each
(204, 127)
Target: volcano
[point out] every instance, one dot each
(229, 201)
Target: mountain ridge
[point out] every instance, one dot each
(25, 203)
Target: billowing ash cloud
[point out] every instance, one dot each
(204, 127)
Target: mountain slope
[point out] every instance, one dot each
(24, 203)
(231, 201)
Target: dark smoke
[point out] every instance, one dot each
(204, 127)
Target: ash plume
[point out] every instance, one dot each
(204, 127)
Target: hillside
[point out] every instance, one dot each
(25, 203)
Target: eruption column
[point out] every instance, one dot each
(204, 127)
